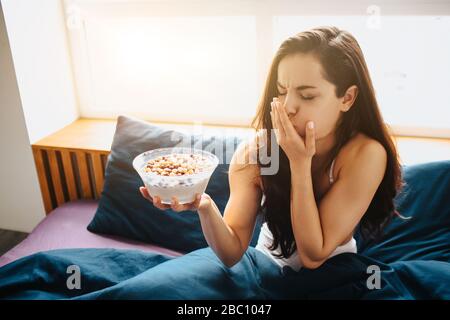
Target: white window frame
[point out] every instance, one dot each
(78, 11)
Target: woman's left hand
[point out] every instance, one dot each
(295, 147)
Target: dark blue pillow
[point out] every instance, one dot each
(124, 212)
(426, 235)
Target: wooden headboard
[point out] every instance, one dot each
(71, 162)
(69, 174)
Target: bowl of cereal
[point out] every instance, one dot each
(175, 172)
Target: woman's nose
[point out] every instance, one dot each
(291, 111)
(291, 107)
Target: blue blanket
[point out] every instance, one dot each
(132, 274)
(411, 261)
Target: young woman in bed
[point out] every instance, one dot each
(337, 164)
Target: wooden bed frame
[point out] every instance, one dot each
(71, 162)
(69, 174)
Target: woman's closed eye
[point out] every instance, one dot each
(301, 96)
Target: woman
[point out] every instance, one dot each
(338, 168)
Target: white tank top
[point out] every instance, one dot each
(266, 238)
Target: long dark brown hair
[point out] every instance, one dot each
(344, 65)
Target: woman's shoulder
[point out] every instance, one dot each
(354, 147)
(358, 141)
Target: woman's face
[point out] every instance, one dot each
(306, 94)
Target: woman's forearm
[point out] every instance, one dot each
(305, 217)
(219, 235)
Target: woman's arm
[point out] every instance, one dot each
(230, 236)
(318, 231)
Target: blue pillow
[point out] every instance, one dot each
(426, 235)
(122, 211)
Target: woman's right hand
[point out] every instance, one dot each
(201, 202)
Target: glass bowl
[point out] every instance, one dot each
(184, 187)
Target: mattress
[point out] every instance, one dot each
(65, 227)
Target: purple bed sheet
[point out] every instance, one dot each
(65, 227)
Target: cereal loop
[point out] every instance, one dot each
(178, 164)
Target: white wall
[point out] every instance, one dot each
(21, 206)
(38, 40)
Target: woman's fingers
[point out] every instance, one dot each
(278, 118)
(174, 205)
(281, 132)
(157, 203)
(275, 130)
(272, 116)
(145, 194)
(288, 128)
(156, 200)
(196, 203)
(275, 122)
(310, 138)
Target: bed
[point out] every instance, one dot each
(412, 260)
(122, 247)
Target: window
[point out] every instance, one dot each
(187, 61)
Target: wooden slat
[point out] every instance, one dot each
(84, 175)
(98, 173)
(40, 168)
(56, 177)
(68, 172)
